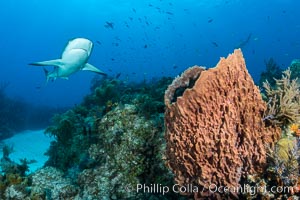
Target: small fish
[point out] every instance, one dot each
(112, 59)
(118, 75)
(150, 5)
(109, 25)
(98, 42)
(134, 10)
(210, 20)
(169, 13)
(215, 44)
(244, 42)
(175, 66)
(145, 46)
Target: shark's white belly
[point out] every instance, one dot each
(73, 61)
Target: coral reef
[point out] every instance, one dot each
(13, 179)
(104, 90)
(128, 152)
(150, 99)
(215, 131)
(109, 92)
(73, 132)
(109, 142)
(283, 170)
(283, 100)
(99, 152)
(285, 160)
(218, 131)
(50, 183)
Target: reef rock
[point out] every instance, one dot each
(128, 151)
(215, 132)
(49, 183)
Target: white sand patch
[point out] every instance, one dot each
(31, 145)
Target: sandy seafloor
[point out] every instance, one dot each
(31, 145)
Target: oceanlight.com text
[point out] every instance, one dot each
(212, 188)
(248, 189)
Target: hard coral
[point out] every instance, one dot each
(50, 183)
(214, 131)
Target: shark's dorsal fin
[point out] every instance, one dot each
(90, 67)
(56, 62)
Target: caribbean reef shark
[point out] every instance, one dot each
(73, 59)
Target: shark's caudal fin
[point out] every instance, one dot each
(56, 62)
(90, 67)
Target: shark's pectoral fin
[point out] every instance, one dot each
(56, 62)
(90, 67)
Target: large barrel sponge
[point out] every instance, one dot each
(215, 132)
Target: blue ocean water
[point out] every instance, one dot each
(145, 39)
